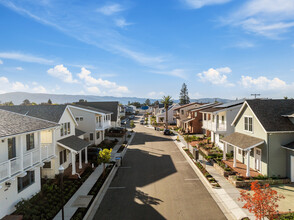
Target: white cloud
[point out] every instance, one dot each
(93, 83)
(263, 83)
(62, 73)
(269, 18)
(121, 22)
(39, 89)
(244, 44)
(19, 68)
(18, 86)
(24, 57)
(3, 80)
(195, 95)
(1, 62)
(201, 3)
(110, 9)
(216, 76)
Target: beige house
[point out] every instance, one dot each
(264, 137)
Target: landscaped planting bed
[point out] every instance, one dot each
(109, 144)
(81, 212)
(122, 147)
(47, 203)
(207, 175)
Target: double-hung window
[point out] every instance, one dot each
(30, 141)
(26, 181)
(248, 124)
(11, 148)
(68, 127)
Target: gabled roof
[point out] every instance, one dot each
(13, 123)
(213, 109)
(205, 106)
(106, 106)
(223, 107)
(271, 113)
(91, 109)
(51, 113)
(187, 105)
(79, 132)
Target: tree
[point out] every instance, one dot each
(49, 102)
(148, 102)
(155, 103)
(263, 201)
(26, 102)
(184, 97)
(104, 157)
(167, 101)
(285, 97)
(8, 103)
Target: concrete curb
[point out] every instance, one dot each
(207, 185)
(99, 197)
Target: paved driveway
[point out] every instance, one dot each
(156, 182)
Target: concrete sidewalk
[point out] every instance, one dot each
(228, 194)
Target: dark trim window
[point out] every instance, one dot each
(223, 119)
(47, 165)
(91, 136)
(204, 115)
(62, 157)
(61, 130)
(11, 148)
(252, 153)
(30, 141)
(97, 134)
(65, 128)
(26, 181)
(68, 127)
(248, 124)
(182, 112)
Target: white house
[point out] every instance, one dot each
(68, 146)
(160, 116)
(21, 156)
(92, 121)
(217, 120)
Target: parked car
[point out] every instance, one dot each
(131, 117)
(142, 122)
(167, 132)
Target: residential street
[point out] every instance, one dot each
(156, 182)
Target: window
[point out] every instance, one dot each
(81, 119)
(62, 157)
(97, 119)
(182, 112)
(68, 127)
(204, 116)
(213, 118)
(97, 135)
(47, 164)
(65, 128)
(239, 151)
(77, 118)
(61, 130)
(11, 148)
(252, 153)
(91, 136)
(223, 119)
(26, 181)
(30, 141)
(248, 124)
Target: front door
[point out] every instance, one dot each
(257, 157)
(292, 168)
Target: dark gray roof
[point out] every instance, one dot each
(12, 123)
(79, 132)
(242, 141)
(47, 112)
(106, 106)
(74, 143)
(270, 113)
(92, 109)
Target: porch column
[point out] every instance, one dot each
(86, 155)
(73, 163)
(80, 160)
(225, 151)
(248, 163)
(235, 160)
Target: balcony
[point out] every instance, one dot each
(103, 126)
(17, 165)
(222, 126)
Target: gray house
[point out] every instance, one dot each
(264, 137)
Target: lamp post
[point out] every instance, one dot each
(126, 131)
(61, 172)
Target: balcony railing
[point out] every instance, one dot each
(16, 165)
(105, 125)
(222, 126)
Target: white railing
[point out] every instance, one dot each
(47, 151)
(103, 125)
(4, 170)
(222, 126)
(27, 160)
(15, 165)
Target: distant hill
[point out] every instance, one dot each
(18, 97)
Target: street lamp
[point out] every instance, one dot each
(126, 131)
(61, 172)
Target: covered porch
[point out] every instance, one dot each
(76, 145)
(188, 128)
(246, 147)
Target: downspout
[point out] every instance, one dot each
(268, 154)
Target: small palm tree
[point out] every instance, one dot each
(167, 101)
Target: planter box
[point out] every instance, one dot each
(221, 170)
(247, 183)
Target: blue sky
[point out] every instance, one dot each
(148, 48)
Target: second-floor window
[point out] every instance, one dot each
(223, 119)
(204, 115)
(213, 118)
(30, 141)
(68, 127)
(79, 118)
(11, 148)
(65, 129)
(91, 136)
(248, 124)
(182, 112)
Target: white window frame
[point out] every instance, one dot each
(249, 117)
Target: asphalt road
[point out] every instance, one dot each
(156, 182)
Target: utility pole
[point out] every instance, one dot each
(255, 95)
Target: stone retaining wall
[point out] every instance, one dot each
(247, 183)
